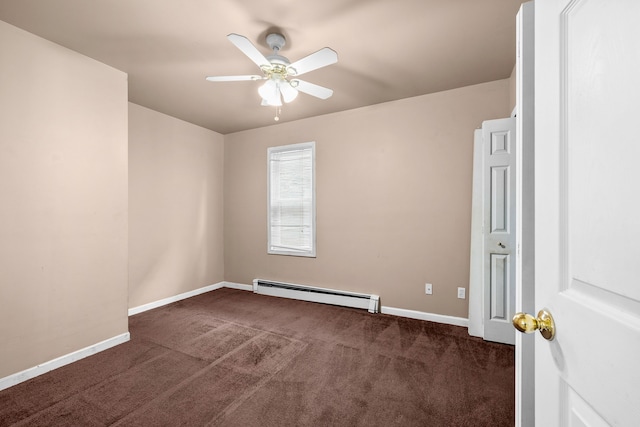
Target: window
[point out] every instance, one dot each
(292, 200)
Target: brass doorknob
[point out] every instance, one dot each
(544, 323)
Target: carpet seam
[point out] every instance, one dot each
(166, 351)
(229, 409)
(79, 394)
(189, 379)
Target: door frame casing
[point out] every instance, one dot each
(525, 211)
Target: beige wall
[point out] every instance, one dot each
(393, 198)
(63, 212)
(175, 206)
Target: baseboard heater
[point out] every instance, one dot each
(314, 294)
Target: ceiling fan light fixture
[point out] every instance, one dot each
(270, 93)
(288, 91)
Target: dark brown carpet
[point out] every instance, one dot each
(233, 358)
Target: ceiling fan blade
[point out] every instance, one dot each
(249, 49)
(322, 58)
(312, 89)
(233, 78)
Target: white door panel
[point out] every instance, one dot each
(499, 145)
(587, 212)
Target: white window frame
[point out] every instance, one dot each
(271, 248)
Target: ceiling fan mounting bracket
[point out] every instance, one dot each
(276, 41)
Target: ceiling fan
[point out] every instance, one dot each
(281, 75)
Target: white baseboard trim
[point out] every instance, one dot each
(420, 315)
(438, 318)
(432, 317)
(61, 361)
(240, 286)
(169, 300)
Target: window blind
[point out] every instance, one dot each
(292, 200)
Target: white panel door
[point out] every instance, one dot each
(499, 168)
(587, 213)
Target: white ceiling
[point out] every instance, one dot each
(387, 49)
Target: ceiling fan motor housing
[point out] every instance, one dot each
(278, 59)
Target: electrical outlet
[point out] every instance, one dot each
(461, 293)
(428, 288)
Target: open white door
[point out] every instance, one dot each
(587, 213)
